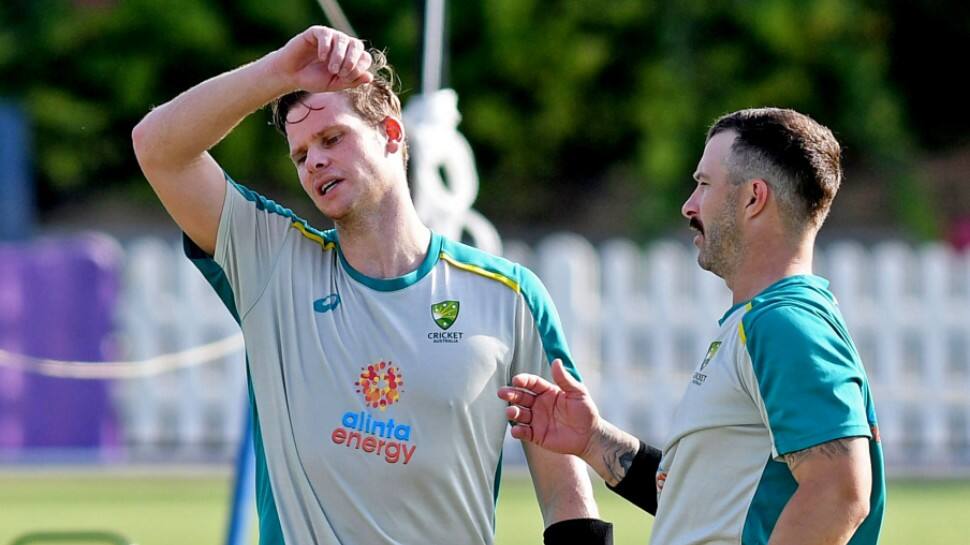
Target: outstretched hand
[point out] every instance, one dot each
(321, 59)
(560, 417)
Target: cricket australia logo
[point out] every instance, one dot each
(699, 377)
(445, 314)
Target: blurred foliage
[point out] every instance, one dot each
(557, 95)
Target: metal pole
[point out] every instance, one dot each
(434, 30)
(336, 16)
(244, 488)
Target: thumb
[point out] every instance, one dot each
(564, 379)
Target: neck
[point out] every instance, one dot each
(390, 242)
(771, 261)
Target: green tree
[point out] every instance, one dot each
(559, 97)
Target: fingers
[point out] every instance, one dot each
(564, 379)
(364, 63)
(359, 72)
(338, 52)
(324, 38)
(519, 415)
(366, 77)
(351, 57)
(522, 432)
(343, 55)
(533, 383)
(517, 396)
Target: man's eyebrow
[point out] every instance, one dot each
(699, 176)
(302, 149)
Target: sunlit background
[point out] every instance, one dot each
(585, 120)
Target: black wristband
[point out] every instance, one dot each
(639, 485)
(579, 531)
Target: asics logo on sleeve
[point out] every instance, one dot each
(327, 303)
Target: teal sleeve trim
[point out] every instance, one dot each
(547, 320)
(261, 202)
(213, 273)
(810, 379)
(775, 488)
(268, 205)
(496, 483)
(533, 292)
(270, 530)
(868, 532)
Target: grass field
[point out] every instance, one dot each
(191, 510)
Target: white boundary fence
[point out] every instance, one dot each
(638, 319)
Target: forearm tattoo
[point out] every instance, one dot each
(832, 449)
(617, 456)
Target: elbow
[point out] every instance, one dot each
(855, 504)
(140, 139)
(858, 510)
(148, 143)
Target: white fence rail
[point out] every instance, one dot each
(638, 319)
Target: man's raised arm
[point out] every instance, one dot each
(172, 141)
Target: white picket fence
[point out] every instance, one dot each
(638, 320)
(167, 307)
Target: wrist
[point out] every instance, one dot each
(610, 451)
(272, 72)
(599, 432)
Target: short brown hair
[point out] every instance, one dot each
(797, 156)
(372, 101)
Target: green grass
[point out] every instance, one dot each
(169, 509)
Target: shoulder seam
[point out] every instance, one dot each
(302, 229)
(475, 269)
(269, 280)
(741, 332)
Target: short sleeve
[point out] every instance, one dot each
(252, 231)
(539, 333)
(808, 378)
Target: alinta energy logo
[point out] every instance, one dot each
(444, 315)
(380, 384)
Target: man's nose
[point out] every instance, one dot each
(689, 209)
(317, 160)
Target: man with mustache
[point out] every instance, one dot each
(775, 441)
(374, 349)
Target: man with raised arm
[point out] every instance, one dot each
(374, 349)
(775, 441)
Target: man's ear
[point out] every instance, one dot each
(394, 132)
(756, 197)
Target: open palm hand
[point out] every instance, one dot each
(560, 417)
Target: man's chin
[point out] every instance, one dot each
(330, 212)
(702, 263)
(705, 263)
